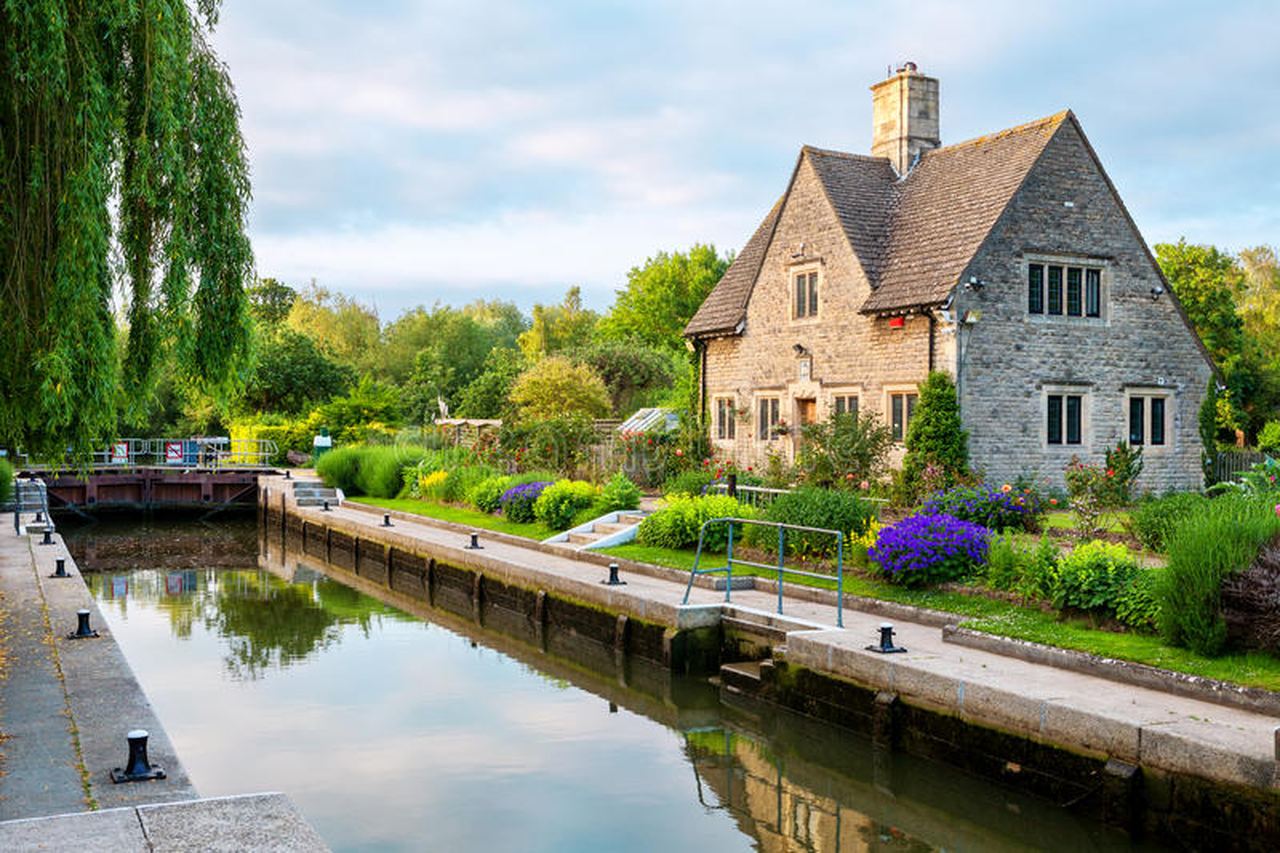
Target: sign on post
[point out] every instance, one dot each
(120, 453)
(173, 453)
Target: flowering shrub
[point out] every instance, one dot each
(998, 508)
(810, 506)
(430, 486)
(517, 502)
(929, 549)
(1093, 576)
(1088, 492)
(558, 503)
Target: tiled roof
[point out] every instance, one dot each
(726, 305)
(913, 236)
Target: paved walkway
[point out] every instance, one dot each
(1135, 724)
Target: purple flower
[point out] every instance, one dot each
(929, 548)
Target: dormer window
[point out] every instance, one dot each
(805, 290)
(1064, 289)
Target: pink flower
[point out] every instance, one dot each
(864, 485)
(1278, 510)
(679, 452)
(849, 476)
(1006, 488)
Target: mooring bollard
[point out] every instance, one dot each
(886, 646)
(60, 569)
(325, 508)
(83, 631)
(613, 579)
(39, 517)
(287, 474)
(48, 537)
(137, 768)
(475, 543)
(386, 520)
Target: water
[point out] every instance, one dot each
(391, 731)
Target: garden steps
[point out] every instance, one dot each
(315, 493)
(615, 528)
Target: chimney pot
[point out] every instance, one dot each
(904, 117)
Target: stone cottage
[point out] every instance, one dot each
(1008, 261)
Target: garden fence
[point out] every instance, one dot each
(1228, 465)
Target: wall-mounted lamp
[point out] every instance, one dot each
(799, 348)
(799, 252)
(974, 283)
(1156, 292)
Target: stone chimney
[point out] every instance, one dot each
(904, 117)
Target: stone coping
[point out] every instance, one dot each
(1255, 699)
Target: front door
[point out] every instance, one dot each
(806, 413)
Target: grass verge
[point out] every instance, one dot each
(460, 515)
(1012, 620)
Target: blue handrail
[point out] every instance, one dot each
(780, 568)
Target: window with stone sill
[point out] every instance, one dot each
(1065, 418)
(1148, 419)
(902, 406)
(768, 416)
(1064, 290)
(726, 425)
(804, 294)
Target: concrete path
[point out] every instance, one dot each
(1135, 724)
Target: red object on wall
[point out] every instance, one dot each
(897, 322)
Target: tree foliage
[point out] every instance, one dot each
(270, 301)
(556, 328)
(292, 375)
(102, 101)
(486, 395)
(629, 369)
(345, 330)
(662, 295)
(555, 387)
(935, 436)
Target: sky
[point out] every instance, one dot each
(406, 153)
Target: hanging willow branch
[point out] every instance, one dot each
(123, 183)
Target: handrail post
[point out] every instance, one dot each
(697, 557)
(728, 566)
(782, 544)
(840, 581)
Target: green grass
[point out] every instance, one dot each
(1011, 620)
(461, 515)
(1113, 522)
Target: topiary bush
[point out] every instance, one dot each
(1093, 576)
(558, 503)
(618, 494)
(486, 495)
(678, 523)
(517, 502)
(922, 550)
(810, 506)
(1153, 520)
(1223, 538)
(935, 435)
(1003, 508)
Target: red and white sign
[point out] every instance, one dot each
(173, 453)
(120, 453)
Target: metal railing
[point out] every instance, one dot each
(30, 495)
(761, 496)
(202, 452)
(780, 568)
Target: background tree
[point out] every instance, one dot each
(629, 370)
(342, 328)
(555, 387)
(556, 328)
(662, 296)
(270, 301)
(486, 395)
(292, 375)
(102, 101)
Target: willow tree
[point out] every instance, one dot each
(123, 192)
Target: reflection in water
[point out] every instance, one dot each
(394, 732)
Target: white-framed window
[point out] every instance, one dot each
(726, 428)
(1065, 416)
(1065, 289)
(1149, 418)
(900, 403)
(768, 414)
(804, 293)
(845, 404)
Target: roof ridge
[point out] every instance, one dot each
(1035, 124)
(831, 152)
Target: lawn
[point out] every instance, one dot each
(460, 515)
(984, 614)
(1011, 620)
(1112, 522)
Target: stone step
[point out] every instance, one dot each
(772, 634)
(630, 518)
(741, 675)
(583, 538)
(605, 527)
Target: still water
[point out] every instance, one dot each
(397, 731)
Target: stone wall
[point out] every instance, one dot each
(851, 354)
(1066, 209)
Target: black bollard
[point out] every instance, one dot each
(886, 646)
(613, 579)
(386, 520)
(83, 631)
(475, 543)
(48, 537)
(287, 475)
(325, 508)
(60, 569)
(39, 517)
(137, 768)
